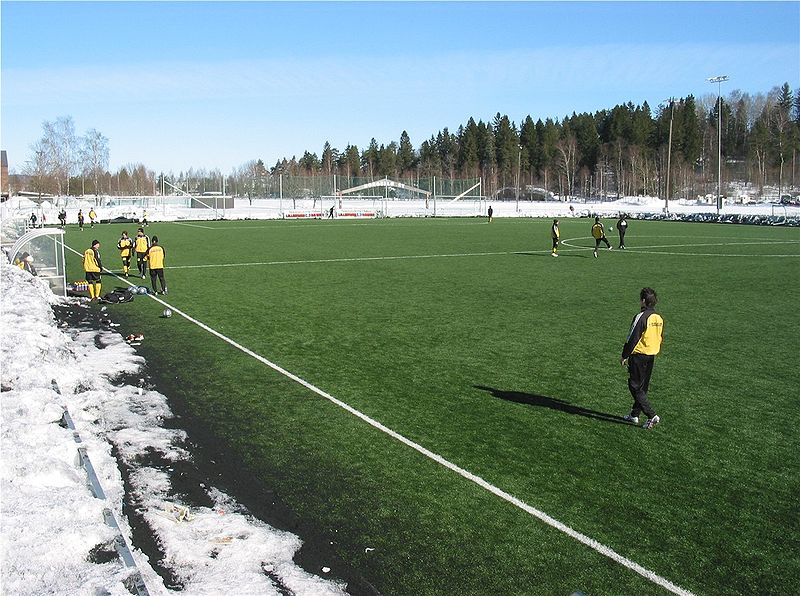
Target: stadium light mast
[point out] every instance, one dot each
(719, 79)
(519, 164)
(671, 101)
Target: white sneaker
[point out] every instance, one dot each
(554, 254)
(631, 419)
(652, 422)
(595, 254)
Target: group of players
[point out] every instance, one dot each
(644, 338)
(62, 218)
(638, 354)
(149, 255)
(598, 233)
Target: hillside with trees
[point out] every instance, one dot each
(623, 150)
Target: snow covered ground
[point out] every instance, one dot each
(174, 209)
(54, 537)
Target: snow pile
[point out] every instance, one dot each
(166, 209)
(54, 537)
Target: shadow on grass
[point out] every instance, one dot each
(552, 403)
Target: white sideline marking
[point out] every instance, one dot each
(339, 224)
(541, 515)
(500, 253)
(180, 223)
(354, 259)
(645, 249)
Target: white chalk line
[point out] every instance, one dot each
(541, 515)
(356, 259)
(485, 254)
(646, 249)
(298, 224)
(182, 223)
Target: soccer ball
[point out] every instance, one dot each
(167, 313)
(611, 227)
(141, 290)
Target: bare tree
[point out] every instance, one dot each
(59, 145)
(568, 156)
(38, 167)
(94, 156)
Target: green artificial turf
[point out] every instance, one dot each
(471, 340)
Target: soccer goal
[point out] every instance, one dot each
(214, 203)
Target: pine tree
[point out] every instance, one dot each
(406, 158)
(468, 161)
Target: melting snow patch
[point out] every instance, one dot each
(54, 537)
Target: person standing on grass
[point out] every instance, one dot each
(141, 243)
(92, 267)
(80, 219)
(125, 246)
(599, 235)
(639, 353)
(489, 212)
(555, 234)
(92, 217)
(622, 227)
(155, 256)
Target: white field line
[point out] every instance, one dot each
(180, 223)
(541, 515)
(485, 254)
(298, 225)
(355, 259)
(646, 249)
(550, 521)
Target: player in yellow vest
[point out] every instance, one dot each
(599, 235)
(555, 234)
(92, 217)
(92, 267)
(155, 257)
(125, 246)
(639, 353)
(140, 244)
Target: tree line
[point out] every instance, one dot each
(624, 150)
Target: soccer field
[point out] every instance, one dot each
(470, 341)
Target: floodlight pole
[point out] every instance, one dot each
(719, 80)
(39, 155)
(669, 152)
(519, 164)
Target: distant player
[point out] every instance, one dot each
(92, 267)
(125, 246)
(639, 353)
(555, 234)
(489, 212)
(144, 217)
(155, 257)
(140, 244)
(80, 219)
(622, 227)
(599, 235)
(92, 217)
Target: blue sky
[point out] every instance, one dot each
(175, 85)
